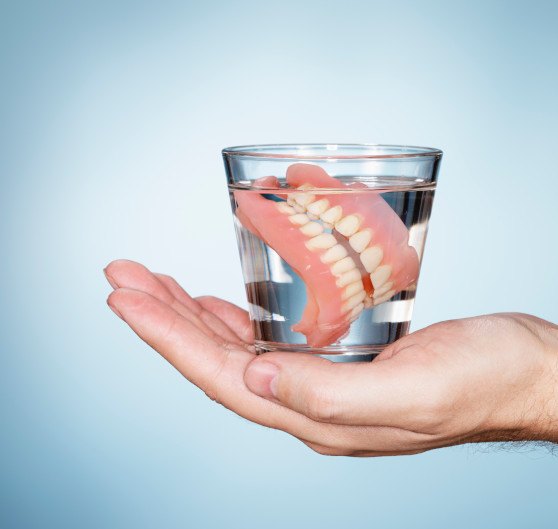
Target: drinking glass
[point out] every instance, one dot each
(331, 238)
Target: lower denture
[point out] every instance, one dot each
(362, 263)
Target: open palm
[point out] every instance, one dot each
(485, 378)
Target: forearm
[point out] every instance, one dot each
(522, 395)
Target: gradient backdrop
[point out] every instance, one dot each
(113, 114)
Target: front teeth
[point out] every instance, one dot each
(342, 266)
(348, 277)
(284, 208)
(348, 225)
(352, 289)
(353, 301)
(332, 215)
(304, 199)
(383, 289)
(318, 207)
(359, 241)
(335, 253)
(311, 229)
(385, 297)
(300, 219)
(380, 275)
(371, 258)
(321, 242)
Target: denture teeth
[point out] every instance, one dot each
(359, 241)
(380, 275)
(318, 207)
(356, 312)
(284, 208)
(300, 219)
(304, 199)
(348, 277)
(352, 289)
(311, 229)
(332, 215)
(371, 258)
(383, 289)
(299, 201)
(321, 242)
(342, 266)
(384, 298)
(335, 253)
(353, 301)
(348, 225)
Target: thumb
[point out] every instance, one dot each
(341, 393)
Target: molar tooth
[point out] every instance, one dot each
(332, 215)
(352, 289)
(380, 275)
(298, 208)
(335, 253)
(318, 207)
(384, 298)
(342, 266)
(353, 301)
(321, 242)
(359, 241)
(383, 289)
(283, 207)
(311, 229)
(371, 258)
(348, 277)
(348, 225)
(355, 313)
(300, 219)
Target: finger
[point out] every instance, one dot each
(195, 354)
(219, 322)
(233, 316)
(387, 393)
(219, 371)
(129, 274)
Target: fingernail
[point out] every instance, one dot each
(114, 310)
(261, 378)
(111, 281)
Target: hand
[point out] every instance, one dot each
(490, 378)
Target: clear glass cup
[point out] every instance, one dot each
(331, 237)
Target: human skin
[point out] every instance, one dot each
(488, 378)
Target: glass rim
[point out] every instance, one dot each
(329, 151)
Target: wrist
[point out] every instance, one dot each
(546, 427)
(529, 410)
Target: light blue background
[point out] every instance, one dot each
(113, 116)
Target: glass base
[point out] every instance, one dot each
(334, 353)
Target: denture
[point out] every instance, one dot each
(350, 248)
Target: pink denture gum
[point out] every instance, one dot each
(350, 248)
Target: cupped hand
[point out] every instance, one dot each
(489, 378)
